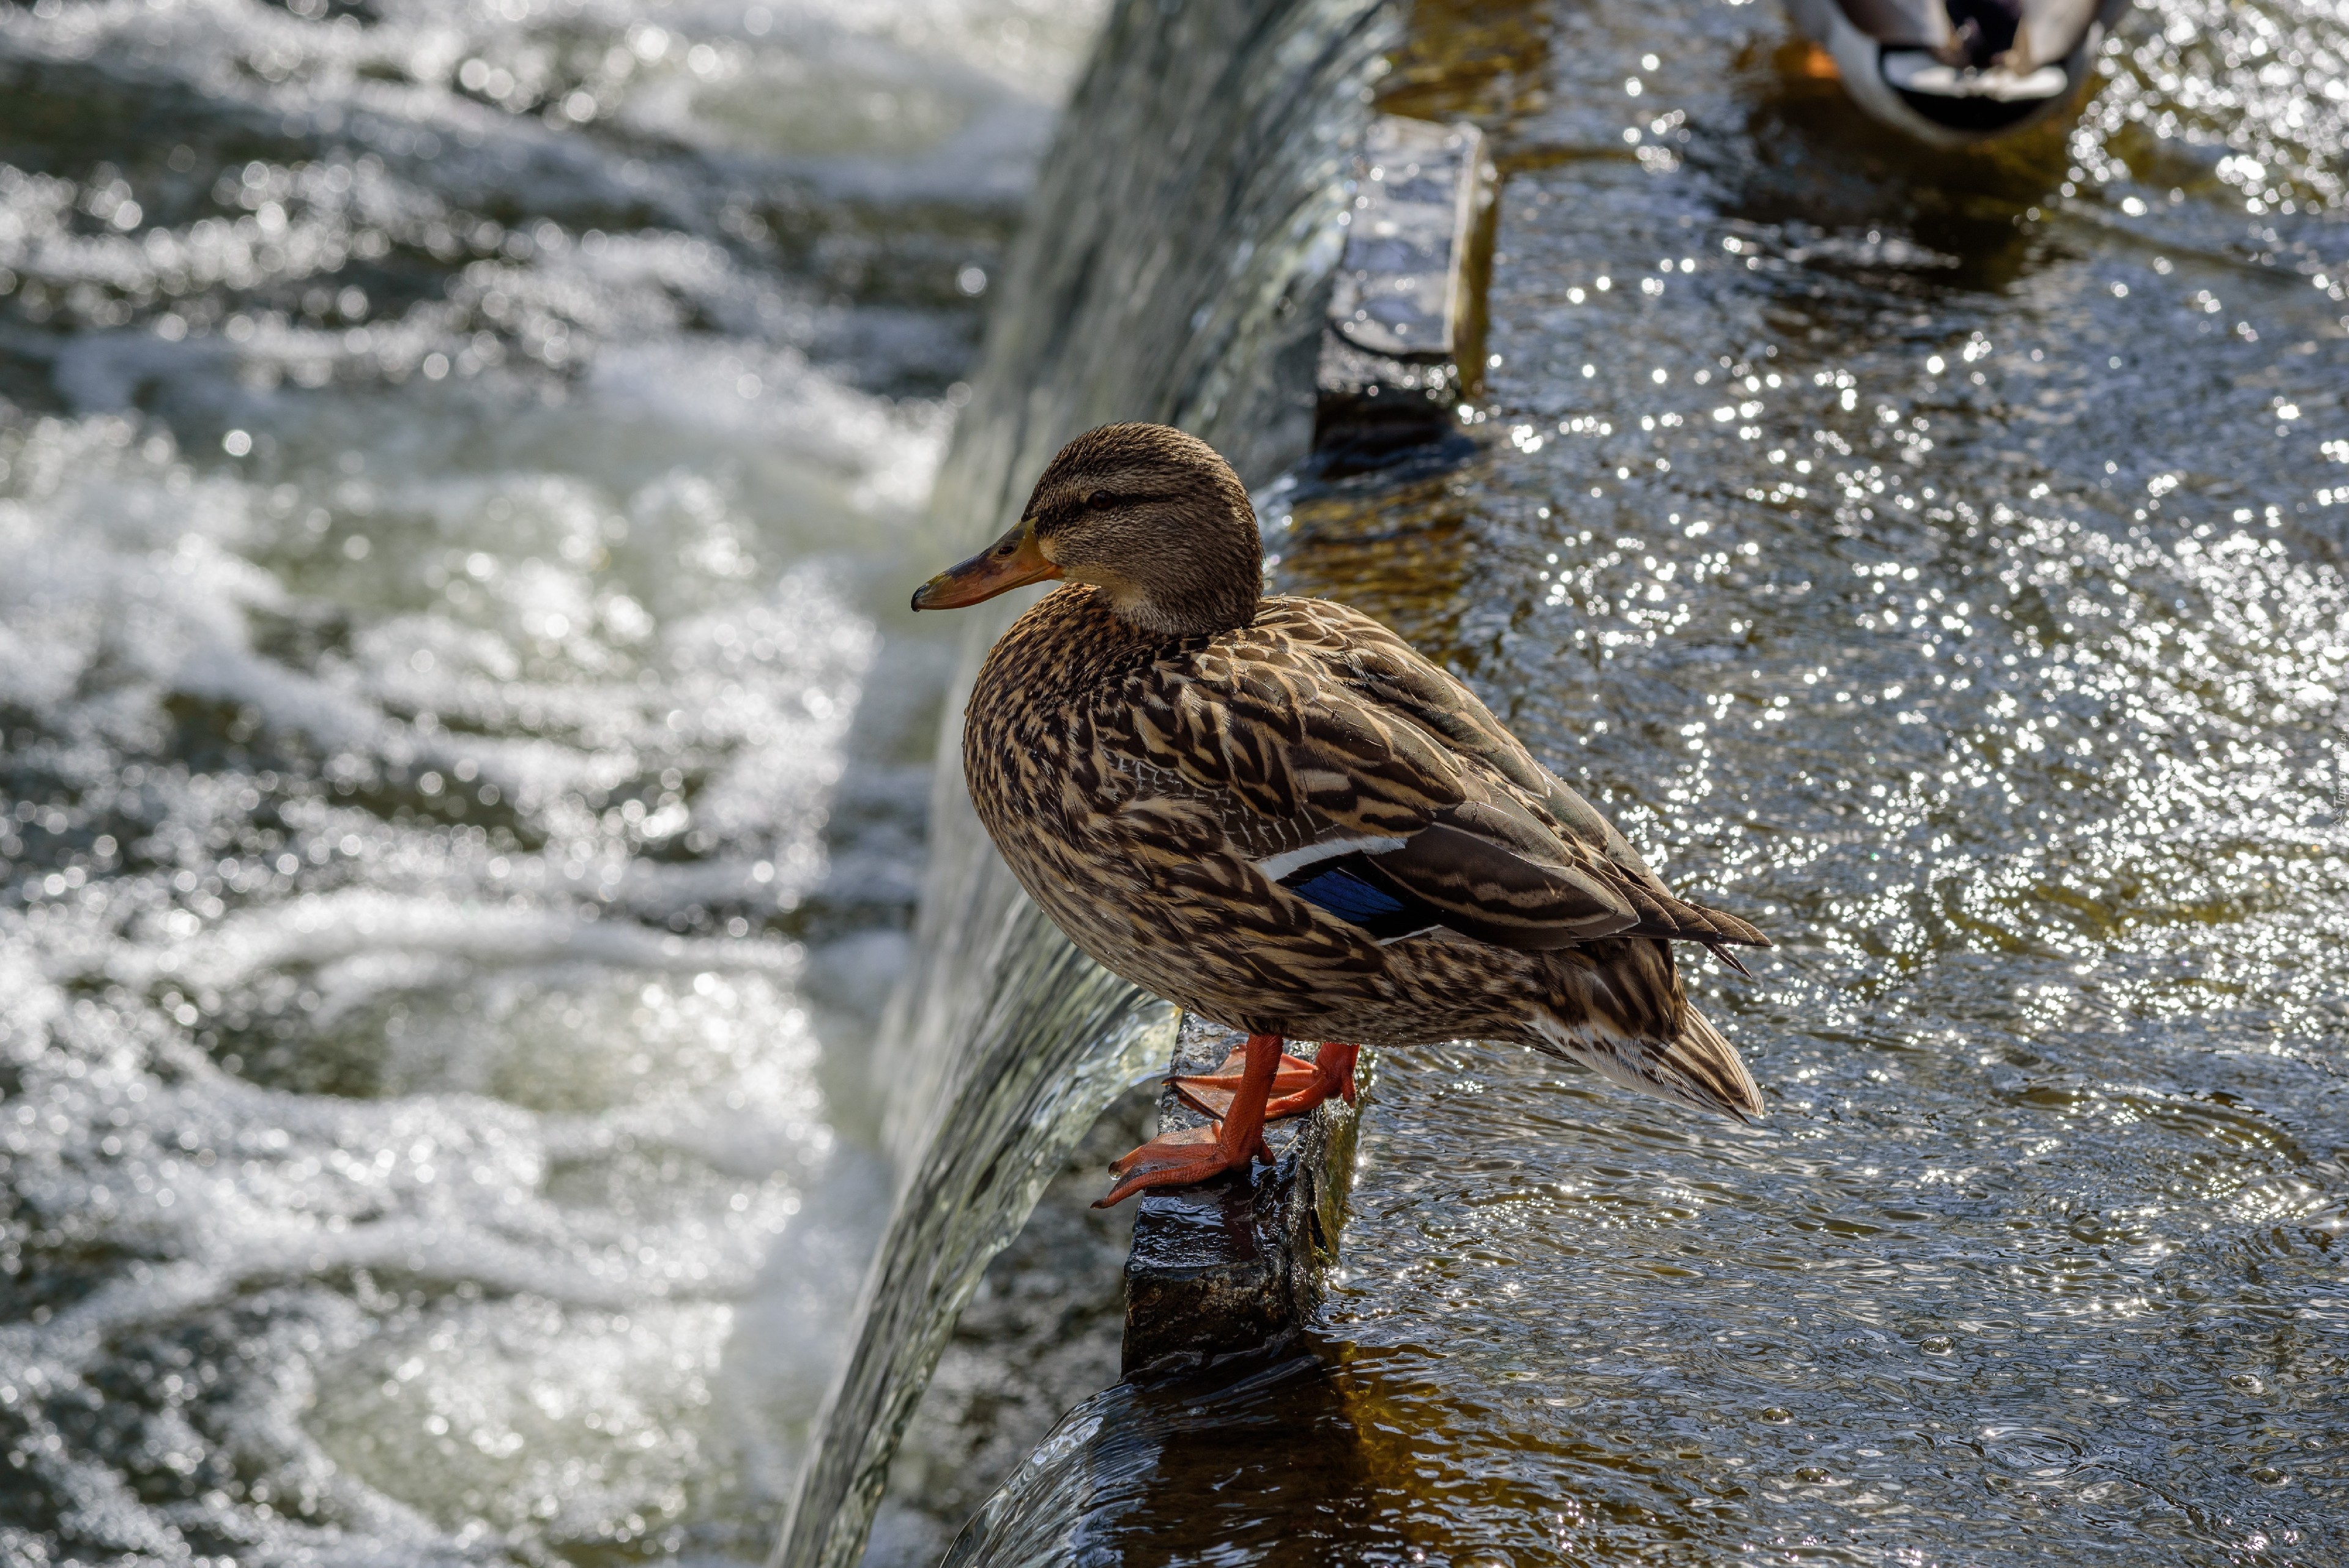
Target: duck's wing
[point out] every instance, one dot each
(1367, 782)
(1381, 666)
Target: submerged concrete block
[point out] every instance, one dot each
(1235, 1263)
(1400, 289)
(1404, 332)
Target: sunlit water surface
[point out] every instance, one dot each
(1939, 561)
(457, 464)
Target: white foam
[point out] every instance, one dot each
(336, 1112)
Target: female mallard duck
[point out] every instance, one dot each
(1275, 814)
(1952, 72)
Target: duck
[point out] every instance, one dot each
(1274, 813)
(1953, 73)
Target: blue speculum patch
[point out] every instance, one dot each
(1349, 897)
(1353, 892)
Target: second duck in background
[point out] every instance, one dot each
(1952, 73)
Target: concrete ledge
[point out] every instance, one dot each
(1405, 334)
(1235, 1264)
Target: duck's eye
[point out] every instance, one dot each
(1101, 501)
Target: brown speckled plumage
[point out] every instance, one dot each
(1135, 780)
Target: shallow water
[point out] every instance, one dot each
(466, 759)
(1939, 561)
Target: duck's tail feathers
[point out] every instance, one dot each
(1695, 1068)
(1677, 919)
(1731, 958)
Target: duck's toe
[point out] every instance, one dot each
(1333, 1078)
(1182, 1158)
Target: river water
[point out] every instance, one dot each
(466, 757)
(1939, 560)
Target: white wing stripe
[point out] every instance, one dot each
(1275, 866)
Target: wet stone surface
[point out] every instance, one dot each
(1235, 1264)
(1405, 321)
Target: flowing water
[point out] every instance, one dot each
(466, 759)
(1940, 560)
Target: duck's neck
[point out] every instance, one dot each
(1213, 582)
(1195, 614)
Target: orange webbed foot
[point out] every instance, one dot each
(1182, 1158)
(1194, 1155)
(1333, 1078)
(1212, 1093)
(1297, 1087)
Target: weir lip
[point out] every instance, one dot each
(1235, 1264)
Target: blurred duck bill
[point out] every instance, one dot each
(1013, 561)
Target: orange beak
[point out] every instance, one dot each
(1011, 562)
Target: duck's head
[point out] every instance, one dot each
(1152, 518)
